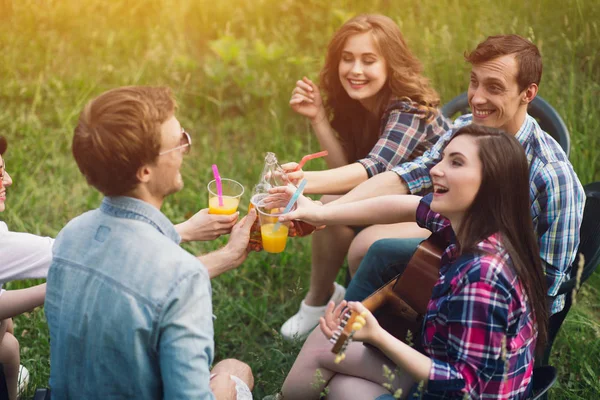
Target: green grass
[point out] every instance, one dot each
(233, 65)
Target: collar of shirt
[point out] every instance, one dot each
(131, 208)
(525, 131)
(402, 104)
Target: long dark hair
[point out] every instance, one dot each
(357, 127)
(502, 205)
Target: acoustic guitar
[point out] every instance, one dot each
(402, 302)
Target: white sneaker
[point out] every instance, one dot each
(307, 317)
(23, 379)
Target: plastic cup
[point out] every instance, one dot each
(232, 192)
(255, 237)
(272, 241)
(255, 201)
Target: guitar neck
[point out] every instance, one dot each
(380, 297)
(407, 293)
(371, 303)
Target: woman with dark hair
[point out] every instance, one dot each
(22, 256)
(488, 313)
(378, 111)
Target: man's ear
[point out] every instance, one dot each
(144, 173)
(529, 94)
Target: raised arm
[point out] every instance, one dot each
(306, 100)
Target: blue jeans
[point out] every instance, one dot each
(386, 396)
(385, 259)
(414, 390)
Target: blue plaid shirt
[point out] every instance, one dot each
(556, 194)
(404, 129)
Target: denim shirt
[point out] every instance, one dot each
(129, 311)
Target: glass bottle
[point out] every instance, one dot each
(272, 175)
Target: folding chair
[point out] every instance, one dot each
(590, 248)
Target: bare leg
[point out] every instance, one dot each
(9, 357)
(329, 248)
(304, 382)
(344, 387)
(360, 245)
(236, 368)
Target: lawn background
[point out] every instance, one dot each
(232, 65)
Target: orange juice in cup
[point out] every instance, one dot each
(273, 240)
(228, 203)
(229, 206)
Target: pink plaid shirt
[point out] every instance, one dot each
(479, 329)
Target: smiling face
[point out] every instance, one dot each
(494, 95)
(362, 69)
(456, 178)
(5, 181)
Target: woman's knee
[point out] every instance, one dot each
(9, 350)
(237, 368)
(308, 376)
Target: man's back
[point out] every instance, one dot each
(129, 311)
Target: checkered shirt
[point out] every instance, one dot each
(479, 329)
(403, 128)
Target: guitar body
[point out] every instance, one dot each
(400, 304)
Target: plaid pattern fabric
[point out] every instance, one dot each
(479, 329)
(556, 194)
(404, 129)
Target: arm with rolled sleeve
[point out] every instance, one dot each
(557, 211)
(416, 173)
(477, 324)
(186, 345)
(400, 138)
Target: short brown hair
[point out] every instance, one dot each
(118, 132)
(527, 55)
(3, 145)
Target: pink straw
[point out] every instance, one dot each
(310, 157)
(219, 185)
